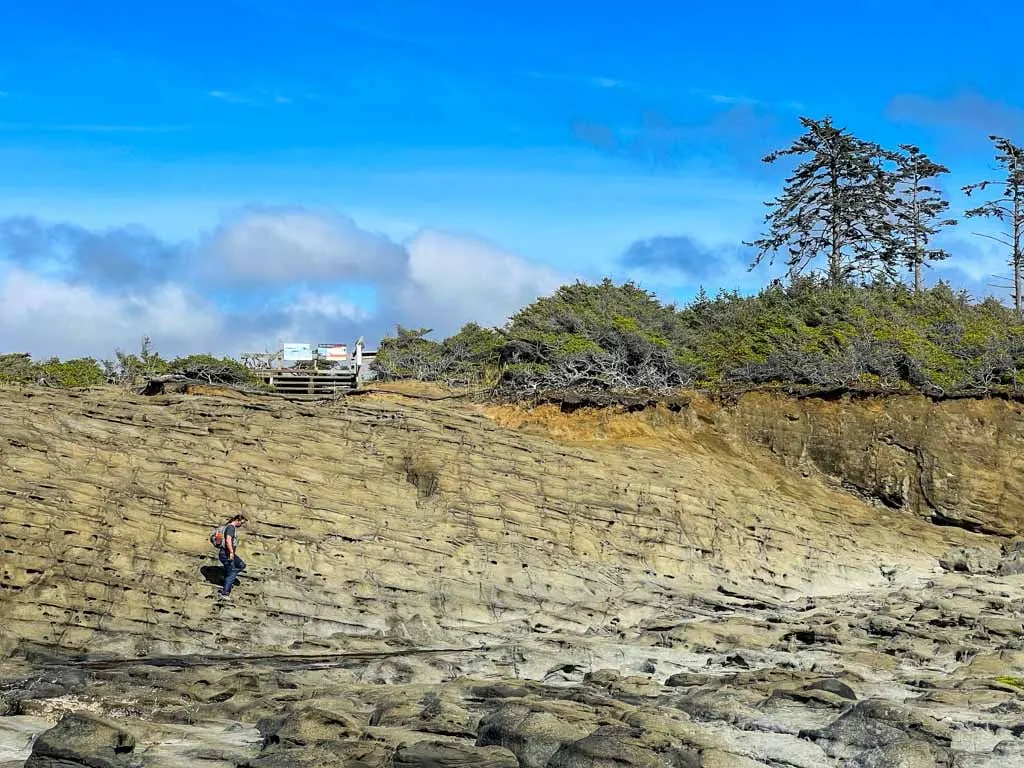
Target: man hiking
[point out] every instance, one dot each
(233, 564)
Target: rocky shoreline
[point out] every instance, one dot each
(921, 675)
(440, 586)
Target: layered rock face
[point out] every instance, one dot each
(440, 584)
(396, 518)
(956, 462)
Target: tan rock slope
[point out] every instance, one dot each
(399, 517)
(433, 584)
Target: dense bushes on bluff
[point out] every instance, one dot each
(851, 217)
(608, 338)
(811, 334)
(127, 369)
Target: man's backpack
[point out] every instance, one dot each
(217, 537)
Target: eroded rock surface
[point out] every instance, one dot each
(433, 584)
(957, 462)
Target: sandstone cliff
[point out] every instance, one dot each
(404, 517)
(409, 558)
(954, 462)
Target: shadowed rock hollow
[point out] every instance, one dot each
(697, 586)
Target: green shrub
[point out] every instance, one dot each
(409, 355)
(79, 372)
(619, 338)
(130, 370)
(809, 333)
(475, 353)
(18, 368)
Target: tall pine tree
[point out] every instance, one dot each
(1007, 208)
(916, 210)
(833, 205)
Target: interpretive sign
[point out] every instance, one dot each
(332, 351)
(297, 351)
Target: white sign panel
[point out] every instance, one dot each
(297, 352)
(333, 351)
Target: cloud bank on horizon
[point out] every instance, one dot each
(262, 277)
(293, 172)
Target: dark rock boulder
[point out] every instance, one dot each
(970, 560)
(21, 696)
(833, 686)
(875, 723)
(339, 754)
(619, 747)
(81, 740)
(307, 726)
(1012, 561)
(431, 713)
(533, 733)
(504, 690)
(730, 704)
(318, 735)
(902, 754)
(439, 754)
(9, 704)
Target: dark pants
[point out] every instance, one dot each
(231, 569)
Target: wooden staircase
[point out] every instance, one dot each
(304, 382)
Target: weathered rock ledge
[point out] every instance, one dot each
(778, 582)
(954, 462)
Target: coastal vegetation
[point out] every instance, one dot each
(126, 369)
(808, 334)
(855, 226)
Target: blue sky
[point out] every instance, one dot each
(222, 175)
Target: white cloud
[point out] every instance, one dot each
(979, 259)
(289, 245)
(741, 100)
(259, 98)
(325, 305)
(594, 81)
(52, 317)
(311, 317)
(285, 274)
(455, 279)
(437, 278)
(227, 96)
(721, 98)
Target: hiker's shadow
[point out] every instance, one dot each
(214, 574)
